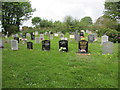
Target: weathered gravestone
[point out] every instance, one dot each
(41, 36)
(104, 39)
(14, 44)
(51, 36)
(56, 34)
(91, 38)
(78, 38)
(63, 45)
(83, 46)
(1, 44)
(95, 36)
(72, 36)
(29, 45)
(46, 45)
(37, 40)
(107, 48)
(75, 34)
(16, 38)
(36, 32)
(27, 34)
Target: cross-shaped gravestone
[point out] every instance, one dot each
(107, 48)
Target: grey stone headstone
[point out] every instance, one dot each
(36, 32)
(104, 39)
(1, 43)
(28, 35)
(78, 37)
(14, 44)
(90, 38)
(107, 48)
(51, 36)
(41, 36)
(37, 39)
(75, 34)
(95, 36)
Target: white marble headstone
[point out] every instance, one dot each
(41, 36)
(104, 39)
(37, 39)
(72, 36)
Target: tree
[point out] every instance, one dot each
(68, 20)
(112, 10)
(13, 13)
(36, 21)
(86, 22)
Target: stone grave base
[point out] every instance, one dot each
(78, 53)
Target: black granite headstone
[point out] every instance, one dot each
(81, 34)
(63, 45)
(83, 46)
(29, 45)
(46, 45)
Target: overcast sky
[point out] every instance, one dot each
(58, 9)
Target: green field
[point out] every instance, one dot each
(53, 69)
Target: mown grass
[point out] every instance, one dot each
(53, 69)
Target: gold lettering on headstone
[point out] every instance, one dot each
(83, 43)
(83, 47)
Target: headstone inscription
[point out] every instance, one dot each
(91, 38)
(16, 38)
(104, 39)
(63, 45)
(41, 36)
(37, 39)
(46, 45)
(14, 44)
(29, 45)
(107, 48)
(83, 46)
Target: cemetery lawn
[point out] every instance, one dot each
(53, 69)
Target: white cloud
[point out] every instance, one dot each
(58, 9)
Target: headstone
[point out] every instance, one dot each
(78, 37)
(61, 35)
(41, 36)
(87, 31)
(32, 36)
(46, 45)
(75, 34)
(14, 44)
(83, 31)
(95, 36)
(91, 38)
(37, 39)
(1, 44)
(81, 34)
(72, 36)
(107, 48)
(51, 36)
(104, 39)
(29, 45)
(83, 46)
(16, 38)
(62, 38)
(20, 34)
(56, 34)
(27, 34)
(63, 45)
(36, 32)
